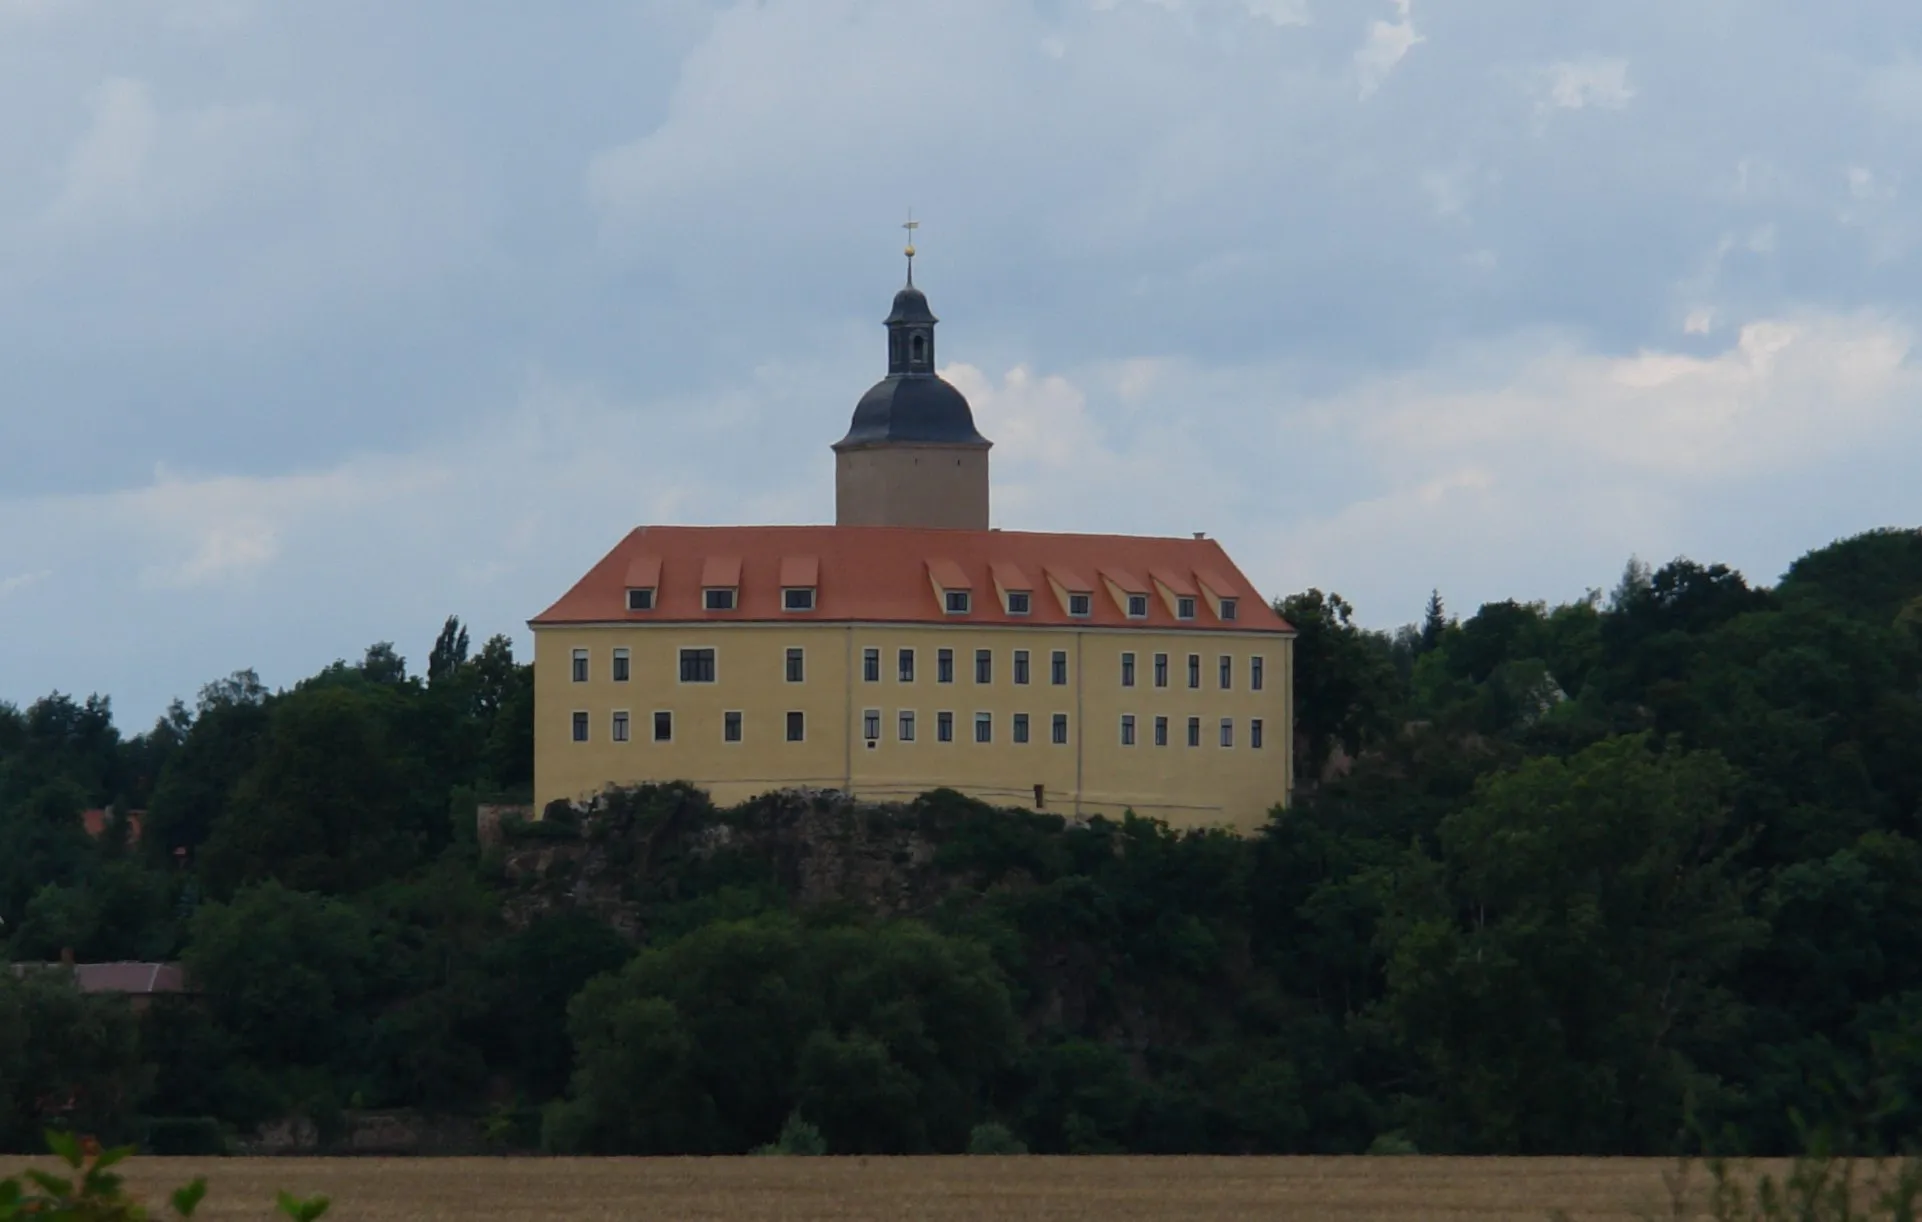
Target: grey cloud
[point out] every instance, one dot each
(306, 261)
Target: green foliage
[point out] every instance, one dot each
(798, 1139)
(1634, 875)
(65, 1057)
(96, 1193)
(994, 1138)
(886, 1035)
(1345, 682)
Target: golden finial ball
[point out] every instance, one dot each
(910, 250)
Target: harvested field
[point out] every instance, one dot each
(945, 1189)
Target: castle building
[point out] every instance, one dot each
(909, 646)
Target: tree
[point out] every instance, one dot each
(450, 652)
(66, 1058)
(330, 804)
(1346, 690)
(383, 665)
(197, 780)
(885, 1037)
(287, 975)
(1556, 968)
(1434, 623)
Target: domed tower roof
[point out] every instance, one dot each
(913, 404)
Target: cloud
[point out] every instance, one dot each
(9, 586)
(136, 165)
(1584, 83)
(1387, 44)
(1281, 12)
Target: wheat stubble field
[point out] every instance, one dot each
(935, 1189)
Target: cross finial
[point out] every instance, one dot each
(911, 226)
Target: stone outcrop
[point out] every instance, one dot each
(609, 856)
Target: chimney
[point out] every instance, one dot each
(1201, 534)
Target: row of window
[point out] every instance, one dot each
(905, 728)
(954, 602)
(698, 666)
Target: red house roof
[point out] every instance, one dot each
(885, 574)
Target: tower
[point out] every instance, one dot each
(912, 456)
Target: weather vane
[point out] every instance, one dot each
(911, 226)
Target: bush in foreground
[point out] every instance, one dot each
(96, 1193)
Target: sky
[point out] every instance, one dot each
(322, 320)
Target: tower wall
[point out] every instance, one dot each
(896, 484)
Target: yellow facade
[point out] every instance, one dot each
(1093, 772)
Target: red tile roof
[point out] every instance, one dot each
(95, 822)
(880, 574)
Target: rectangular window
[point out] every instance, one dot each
(944, 666)
(1137, 606)
(905, 667)
(1127, 670)
(958, 601)
(580, 727)
(1060, 729)
(984, 727)
(1021, 727)
(1080, 604)
(663, 727)
(800, 598)
(904, 727)
(697, 666)
(1021, 667)
(640, 600)
(797, 727)
(871, 724)
(720, 599)
(1017, 602)
(870, 666)
(1194, 731)
(1194, 670)
(1227, 669)
(1254, 733)
(1161, 670)
(1058, 668)
(984, 666)
(1227, 731)
(1161, 731)
(1254, 673)
(730, 727)
(620, 727)
(580, 666)
(797, 665)
(1227, 608)
(944, 727)
(1127, 729)
(1184, 608)
(620, 666)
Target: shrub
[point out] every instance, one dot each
(994, 1138)
(798, 1137)
(96, 1193)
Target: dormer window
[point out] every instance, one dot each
(640, 599)
(958, 602)
(1227, 609)
(719, 599)
(1185, 607)
(1018, 602)
(1137, 606)
(1080, 604)
(798, 599)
